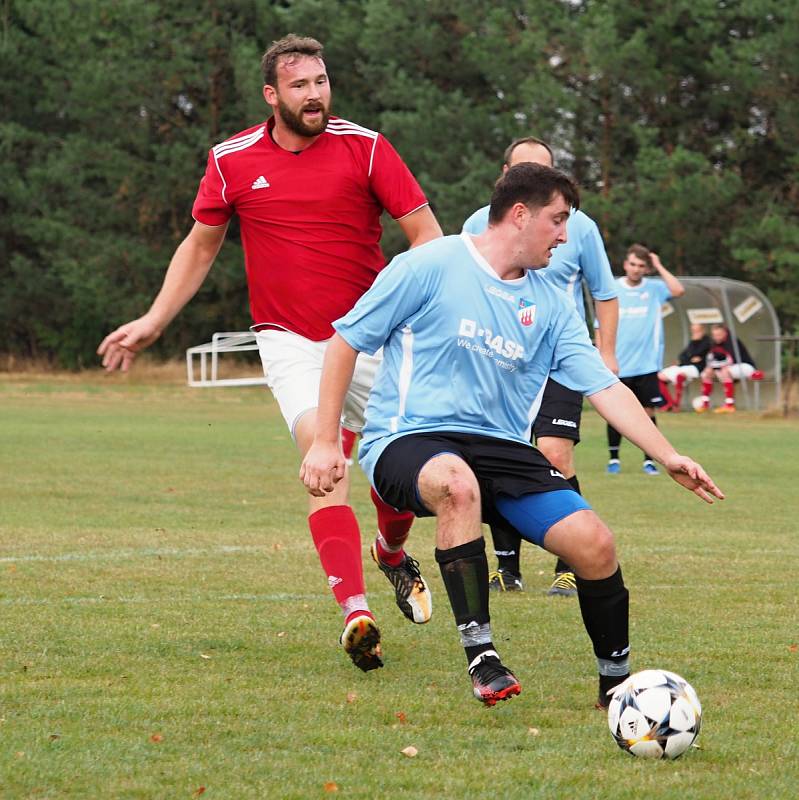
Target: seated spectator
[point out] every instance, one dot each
(723, 364)
(689, 364)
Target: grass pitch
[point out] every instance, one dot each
(166, 630)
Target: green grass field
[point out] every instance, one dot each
(166, 630)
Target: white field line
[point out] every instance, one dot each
(144, 552)
(279, 597)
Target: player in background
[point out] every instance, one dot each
(309, 189)
(639, 341)
(690, 362)
(557, 426)
(727, 361)
(471, 331)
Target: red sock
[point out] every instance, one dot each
(707, 388)
(337, 538)
(680, 385)
(729, 391)
(394, 527)
(348, 441)
(664, 390)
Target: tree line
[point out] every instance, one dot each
(679, 119)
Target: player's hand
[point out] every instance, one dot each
(691, 475)
(119, 348)
(322, 468)
(657, 265)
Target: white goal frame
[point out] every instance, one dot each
(206, 358)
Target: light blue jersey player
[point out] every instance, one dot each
(470, 332)
(453, 335)
(556, 429)
(639, 337)
(639, 340)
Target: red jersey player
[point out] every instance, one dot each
(309, 189)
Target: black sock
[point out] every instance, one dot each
(605, 607)
(608, 682)
(465, 572)
(614, 441)
(507, 544)
(560, 564)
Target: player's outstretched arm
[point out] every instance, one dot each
(324, 464)
(619, 406)
(187, 270)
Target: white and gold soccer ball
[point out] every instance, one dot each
(655, 714)
(699, 403)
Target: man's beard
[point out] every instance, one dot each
(296, 124)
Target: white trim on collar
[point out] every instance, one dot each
(468, 240)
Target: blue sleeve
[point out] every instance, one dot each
(394, 296)
(595, 265)
(576, 362)
(477, 222)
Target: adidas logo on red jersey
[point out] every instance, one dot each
(260, 183)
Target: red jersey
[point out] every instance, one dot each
(310, 221)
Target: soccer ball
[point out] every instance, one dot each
(655, 714)
(698, 403)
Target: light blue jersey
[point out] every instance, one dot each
(639, 339)
(581, 257)
(464, 351)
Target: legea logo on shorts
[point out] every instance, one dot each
(526, 312)
(569, 423)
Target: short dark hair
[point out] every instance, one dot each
(639, 251)
(525, 140)
(292, 46)
(532, 184)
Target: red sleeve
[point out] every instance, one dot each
(210, 205)
(392, 182)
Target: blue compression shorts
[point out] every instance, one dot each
(532, 515)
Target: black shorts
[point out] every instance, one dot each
(560, 413)
(646, 388)
(500, 466)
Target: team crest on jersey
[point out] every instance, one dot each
(526, 312)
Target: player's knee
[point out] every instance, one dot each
(459, 491)
(447, 483)
(600, 546)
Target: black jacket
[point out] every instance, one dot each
(720, 355)
(695, 353)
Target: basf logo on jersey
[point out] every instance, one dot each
(526, 312)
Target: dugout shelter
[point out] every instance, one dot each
(750, 317)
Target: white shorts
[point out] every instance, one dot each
(670, 373)
(739, 371)
(293, 369)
